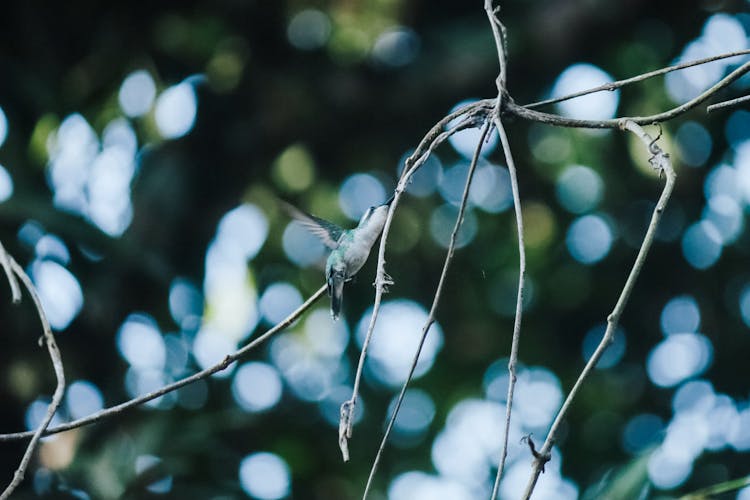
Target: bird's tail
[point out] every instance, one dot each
(336, 291)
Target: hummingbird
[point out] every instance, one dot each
(349, 247)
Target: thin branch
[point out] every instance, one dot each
(434, 137)
(726, 104)
(57, 365)
(501, 45)
(551, 119)
(621, 83)
(660, 161)
(513, 360)
(435, 301)
(230, 358)
(499, 35)
(15, 290)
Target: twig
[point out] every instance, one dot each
(513, 360)
(499, 35)
(435, 301)
(501, 46)
(663, 164)
(57, 365)
(644, 76)
(230, 358)
(726, 104)
(15, 290)
(434, 137)
(551, 119)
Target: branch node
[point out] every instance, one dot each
(346, 421)
(540, 458)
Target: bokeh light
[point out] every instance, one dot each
(395, 340)
(465, 141)
(311, 361)
(301, 246)
(589, 239)
(6, 184)
(579, 189)
(581, 76)
(414, 417)
(3, 126)
(641, 432)
(490, 189)
(737, 128)
(415, 485)
(309, 29)
(721, 33)
(265, 476)
(614, 352)
(693, 144)
(294, 169)
(701, 244)
(360, 192)
(442, 222)
(185, 302)
(744, 303)
(176, 109)
(141, 343)
(678, 357)
(680, 315)
(278, 301)
(35, 414)
(256, 386)
(137, 93)
(51, 247)
(396, 47)
(425, 180)
(83, 398)
(59, 292)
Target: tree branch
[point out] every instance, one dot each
(434, 137)
(12, 268)
(639, 78)
(561, 121)
(433, 309)
(230, 358)
(661, 162)
(513, 359)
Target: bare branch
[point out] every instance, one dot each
(57, 365)
(15, 290)
(433, 309)
(499, 35)
(551, 119)
(639, 78)
(513, 359)
(726, 104)
(660, 161)
(230, 358)
(434, 137)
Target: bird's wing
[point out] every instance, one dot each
(328, 232)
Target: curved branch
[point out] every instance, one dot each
(230, 358)
(561, 121)
(639, 78)
(660, 160)
(434, 137)
(433, 310)
(513, 358)
(57, 365)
